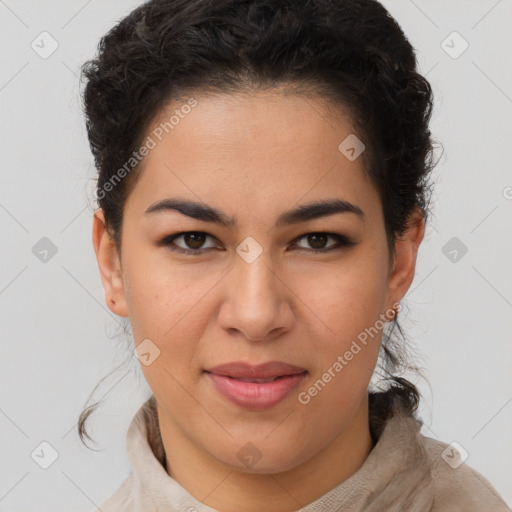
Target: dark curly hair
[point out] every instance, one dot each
(351, 53)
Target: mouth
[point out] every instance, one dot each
(256, 387)
(264, 371)
(251, 379)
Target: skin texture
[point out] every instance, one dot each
(254, 157)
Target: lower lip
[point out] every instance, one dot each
(256, 395)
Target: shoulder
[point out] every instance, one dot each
(457, 486)
(432, 472)
(121, 500)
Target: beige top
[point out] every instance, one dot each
(405, 472)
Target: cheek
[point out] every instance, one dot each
(161, 294)
(169, 304)
(346, 307)
(346, 343)
(346, 299)
(166, 309)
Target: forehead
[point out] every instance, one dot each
(251, 151)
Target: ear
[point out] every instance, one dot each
(109, 265)
(404, 262)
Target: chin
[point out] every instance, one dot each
(260, 457)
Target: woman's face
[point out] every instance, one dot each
(255, 287)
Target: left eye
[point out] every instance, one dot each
(318, 241)
(194, 241)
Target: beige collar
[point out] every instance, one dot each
(396, 470)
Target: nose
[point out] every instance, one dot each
(257, 302)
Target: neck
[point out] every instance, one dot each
(225, 489)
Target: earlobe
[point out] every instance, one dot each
(109, 266)
(404, 263)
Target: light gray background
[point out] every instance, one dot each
(55, 329)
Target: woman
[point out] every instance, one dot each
(262, 194)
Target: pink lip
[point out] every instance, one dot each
(227, 379)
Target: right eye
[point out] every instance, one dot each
(192, 241)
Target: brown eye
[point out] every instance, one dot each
(318, 241)
(192, 242)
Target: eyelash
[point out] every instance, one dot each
(343, 241)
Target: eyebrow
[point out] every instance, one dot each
(299, 214)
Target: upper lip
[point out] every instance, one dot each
(241, 370)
